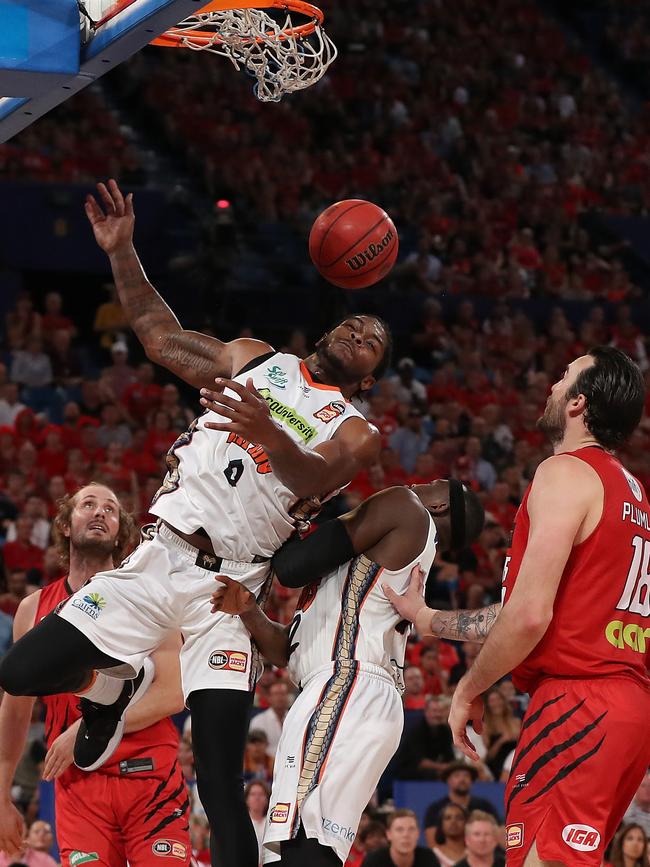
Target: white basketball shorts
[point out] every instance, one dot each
(336, 742)
(158, 589)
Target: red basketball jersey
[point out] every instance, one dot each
(601, 616)
(158, 741)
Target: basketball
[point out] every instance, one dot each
(353, 244)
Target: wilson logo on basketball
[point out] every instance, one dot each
(582, 838)
(363, 257)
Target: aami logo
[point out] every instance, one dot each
(169, 849)
(582, 838)
(279, 813)
(515, 835)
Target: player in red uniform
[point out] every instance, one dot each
(135, 807)
(574, 628)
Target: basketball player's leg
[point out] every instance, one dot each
(304, 850)
(219, 730)
(51, 658)
(533, 859)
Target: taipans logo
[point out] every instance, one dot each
(228, 660)
(330, 412)
(289, 416)
(582, 838)
(169, 849)
(276, 376)
(515, 835)
(624, 635)
(75, 858)
(635, 487)
(90, 603)
(279, 814)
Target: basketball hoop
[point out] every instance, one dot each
(283, 56)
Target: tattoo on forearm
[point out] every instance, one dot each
(465, 625)
(187, 352)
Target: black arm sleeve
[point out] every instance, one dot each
(301, 561)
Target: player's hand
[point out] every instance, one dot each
(408, 604)
(248, 417)
(464, 709)
(231, 597)
(12, 829)
(60, 755)
(113, 226)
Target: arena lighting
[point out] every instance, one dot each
(222, 204)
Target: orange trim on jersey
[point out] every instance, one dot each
(311, 382)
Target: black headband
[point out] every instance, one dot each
(457, 514)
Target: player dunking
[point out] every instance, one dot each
(284, 430)
(126, 810)
(574, 626)
(345, 649)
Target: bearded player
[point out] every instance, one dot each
(574, 628)
(135, 807)
(279, 431)
(345, 649)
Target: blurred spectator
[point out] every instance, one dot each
(52, 567)
(481, 842)
(16, 591)
(181, 417)
(161, 436)
(470, 650)
(143, 396)
(406, 388)
(113, 429)
(40, 836)
(427, 750)
(119, 375)
(435, 676)
(414, 696)
(67, 367)
(10, 405)
(200, 838)
(402, 833)
(257, 796)
(22, 321)
(270, 721)
(501, 730)
(110, 319)
(31, 367)
(459, 777)
(639, 810)
(22, 553)
(258, 765)
(370, 837)
(36, 509)
(411, 440)
(449, 838)
(53, 319)
(630, 847)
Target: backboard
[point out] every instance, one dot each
(43, 60)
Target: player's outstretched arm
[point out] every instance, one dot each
(391, 527)
(231, 597)
(460, 625)
(306, 472)
(194, 357)
(15, 714)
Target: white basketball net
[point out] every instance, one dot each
(256, 43)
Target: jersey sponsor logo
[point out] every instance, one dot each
(257, 453)
(169, 849)
(515, 835)
(276, 376)
(228, 660)
(338, 830)
(290, 416)
(328, 413)
(582, 838)
(622, 635)
(77, 857)
(91, 604)
(635, 487)
(279, 814)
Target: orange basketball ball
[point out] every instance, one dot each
(353, 244)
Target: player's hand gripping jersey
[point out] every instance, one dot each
(225, 484)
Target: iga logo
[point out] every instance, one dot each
(582, 838)
(515, 835)
(228, 660)
(330, 412)
(169, 849)
(279, 814)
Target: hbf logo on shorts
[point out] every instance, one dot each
(228, 660)
(582, 838)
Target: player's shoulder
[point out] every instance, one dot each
(25, 617)
(564, 470)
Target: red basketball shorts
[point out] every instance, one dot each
(139, 817)
(583, 751)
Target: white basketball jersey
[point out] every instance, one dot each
(226, 485)
(346, 616)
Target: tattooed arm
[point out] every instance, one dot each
(194, 357)
(463, 625)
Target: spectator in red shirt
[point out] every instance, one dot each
(394, 473)
(78, 471)
(414, 694)
(120, 375)
(161, 436)
(53, 319)
(143, 396)
(22, 553)
(114, 473)
(53, 457)
(435, 677)
(93, 453)
(16, 591)
(500, 506)
(141, 461)
(70, 427)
